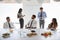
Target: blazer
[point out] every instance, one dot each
(6, 25)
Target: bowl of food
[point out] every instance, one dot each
(5, 35)
(46, 34)
(33, 33)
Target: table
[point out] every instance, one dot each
(13, 36)
(20, 34)
(55, 36)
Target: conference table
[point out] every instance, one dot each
(21, 34)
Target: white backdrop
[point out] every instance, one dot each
(52, 10)
(10, 10)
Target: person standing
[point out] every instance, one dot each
(42, 15)
(20, 16)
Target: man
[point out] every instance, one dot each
(41, 16)
(8, 24)
(32, 23)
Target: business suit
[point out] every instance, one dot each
(32, 23)
(6, 25)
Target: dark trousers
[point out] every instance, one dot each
(21, 22)
(41, 23)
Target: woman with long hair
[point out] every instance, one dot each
(53, 25)
(20, 16)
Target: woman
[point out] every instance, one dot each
(20, 16)
(53, 25)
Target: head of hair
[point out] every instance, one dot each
(7, 17)
(41, 7)
(20, 10)
(55, 20)
(34, 16)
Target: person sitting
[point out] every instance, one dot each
(8, 24)
(32, 23)
(53, 25)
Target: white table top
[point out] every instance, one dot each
(21, 35)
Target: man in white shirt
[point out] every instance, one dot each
(32, 23)
(8, 24)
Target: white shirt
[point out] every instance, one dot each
(34, 23)
(20, 15)
(6, 25)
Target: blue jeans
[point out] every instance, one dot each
(41, 23)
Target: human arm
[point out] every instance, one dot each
(17, 15)
(38, 14)
(45, 15)
(27, 25)
(12, 25)
(49, 26)
(5, 25)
